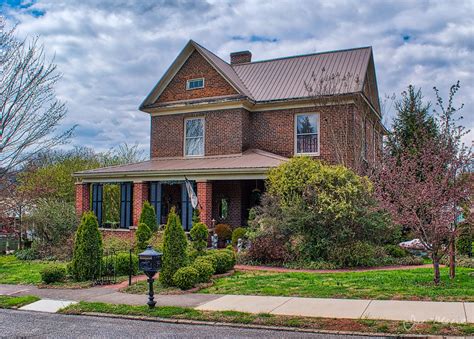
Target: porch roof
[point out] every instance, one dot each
(251, 164)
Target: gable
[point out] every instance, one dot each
(370, 86)
(196, 67)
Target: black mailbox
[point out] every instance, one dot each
(149, 261)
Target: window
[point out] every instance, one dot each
(194, 137)
(195, 83)
(307, 134)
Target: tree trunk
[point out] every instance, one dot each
(436, 269)
(452, 259)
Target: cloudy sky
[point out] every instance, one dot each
(112, 52)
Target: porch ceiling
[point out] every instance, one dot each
(251, 164)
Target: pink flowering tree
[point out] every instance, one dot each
(424, 189)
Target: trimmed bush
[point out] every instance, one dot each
(185, 278)
(87, 256)
(358, 254)
(238, 233)
(52, 274)
(225, 260)
(199, 235)
(148, 216)
(269, 248)
(205, 270)
(117, 244)
(224, 232)
(122, 264)
(196, 216)
(395, 251)
(142, 236)
(208, 259)
(26, 254)
(174, 249)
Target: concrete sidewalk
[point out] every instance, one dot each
(414, 311)
(106, 295)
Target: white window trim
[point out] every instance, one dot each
(189, 80)
(203, 137)
(295, 134)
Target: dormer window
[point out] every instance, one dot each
(195, 83)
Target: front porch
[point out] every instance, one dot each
(219, 201)
(226, 188)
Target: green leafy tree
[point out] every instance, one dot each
(311, 207)
(142, 235)
(413, 125)
(54, 223)
(199, 235)
(87, 256)
(148, 216)
(174, 249)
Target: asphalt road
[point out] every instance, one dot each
(15, 324)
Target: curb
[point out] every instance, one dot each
(252, 326)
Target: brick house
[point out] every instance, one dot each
(224, 125)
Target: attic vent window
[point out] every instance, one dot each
(195, 83)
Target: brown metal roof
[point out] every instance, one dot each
(250, 159)
(279, 79)
(285, 78)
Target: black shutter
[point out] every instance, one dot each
(155, 199)
(97, 194)
(125, 205)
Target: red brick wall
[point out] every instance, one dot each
(226, 132)
(232, 190)
(196, 67)
(204, 194)
(235, 130)
(140, 195)
(82, 198)
(274, 131)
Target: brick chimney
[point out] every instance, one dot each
(240, 57)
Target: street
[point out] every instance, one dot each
(44, 325)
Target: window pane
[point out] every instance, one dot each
(194, 128)
(307, 143)
(195, 146)
(306, 124)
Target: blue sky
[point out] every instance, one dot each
(112, 52)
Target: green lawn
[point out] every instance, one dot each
(266, 319)
(415, 284)
(14, 271)
(15, 302)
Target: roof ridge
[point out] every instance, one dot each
(230, 65)
(300, 56)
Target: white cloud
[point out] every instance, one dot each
(112, 52)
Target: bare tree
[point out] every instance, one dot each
(336, 94)
(29, 110)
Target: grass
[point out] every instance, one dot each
(415, 284)
(27, 272)
(14, 271)
(15, 302)
(358, 325)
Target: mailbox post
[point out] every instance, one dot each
(149, 262)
